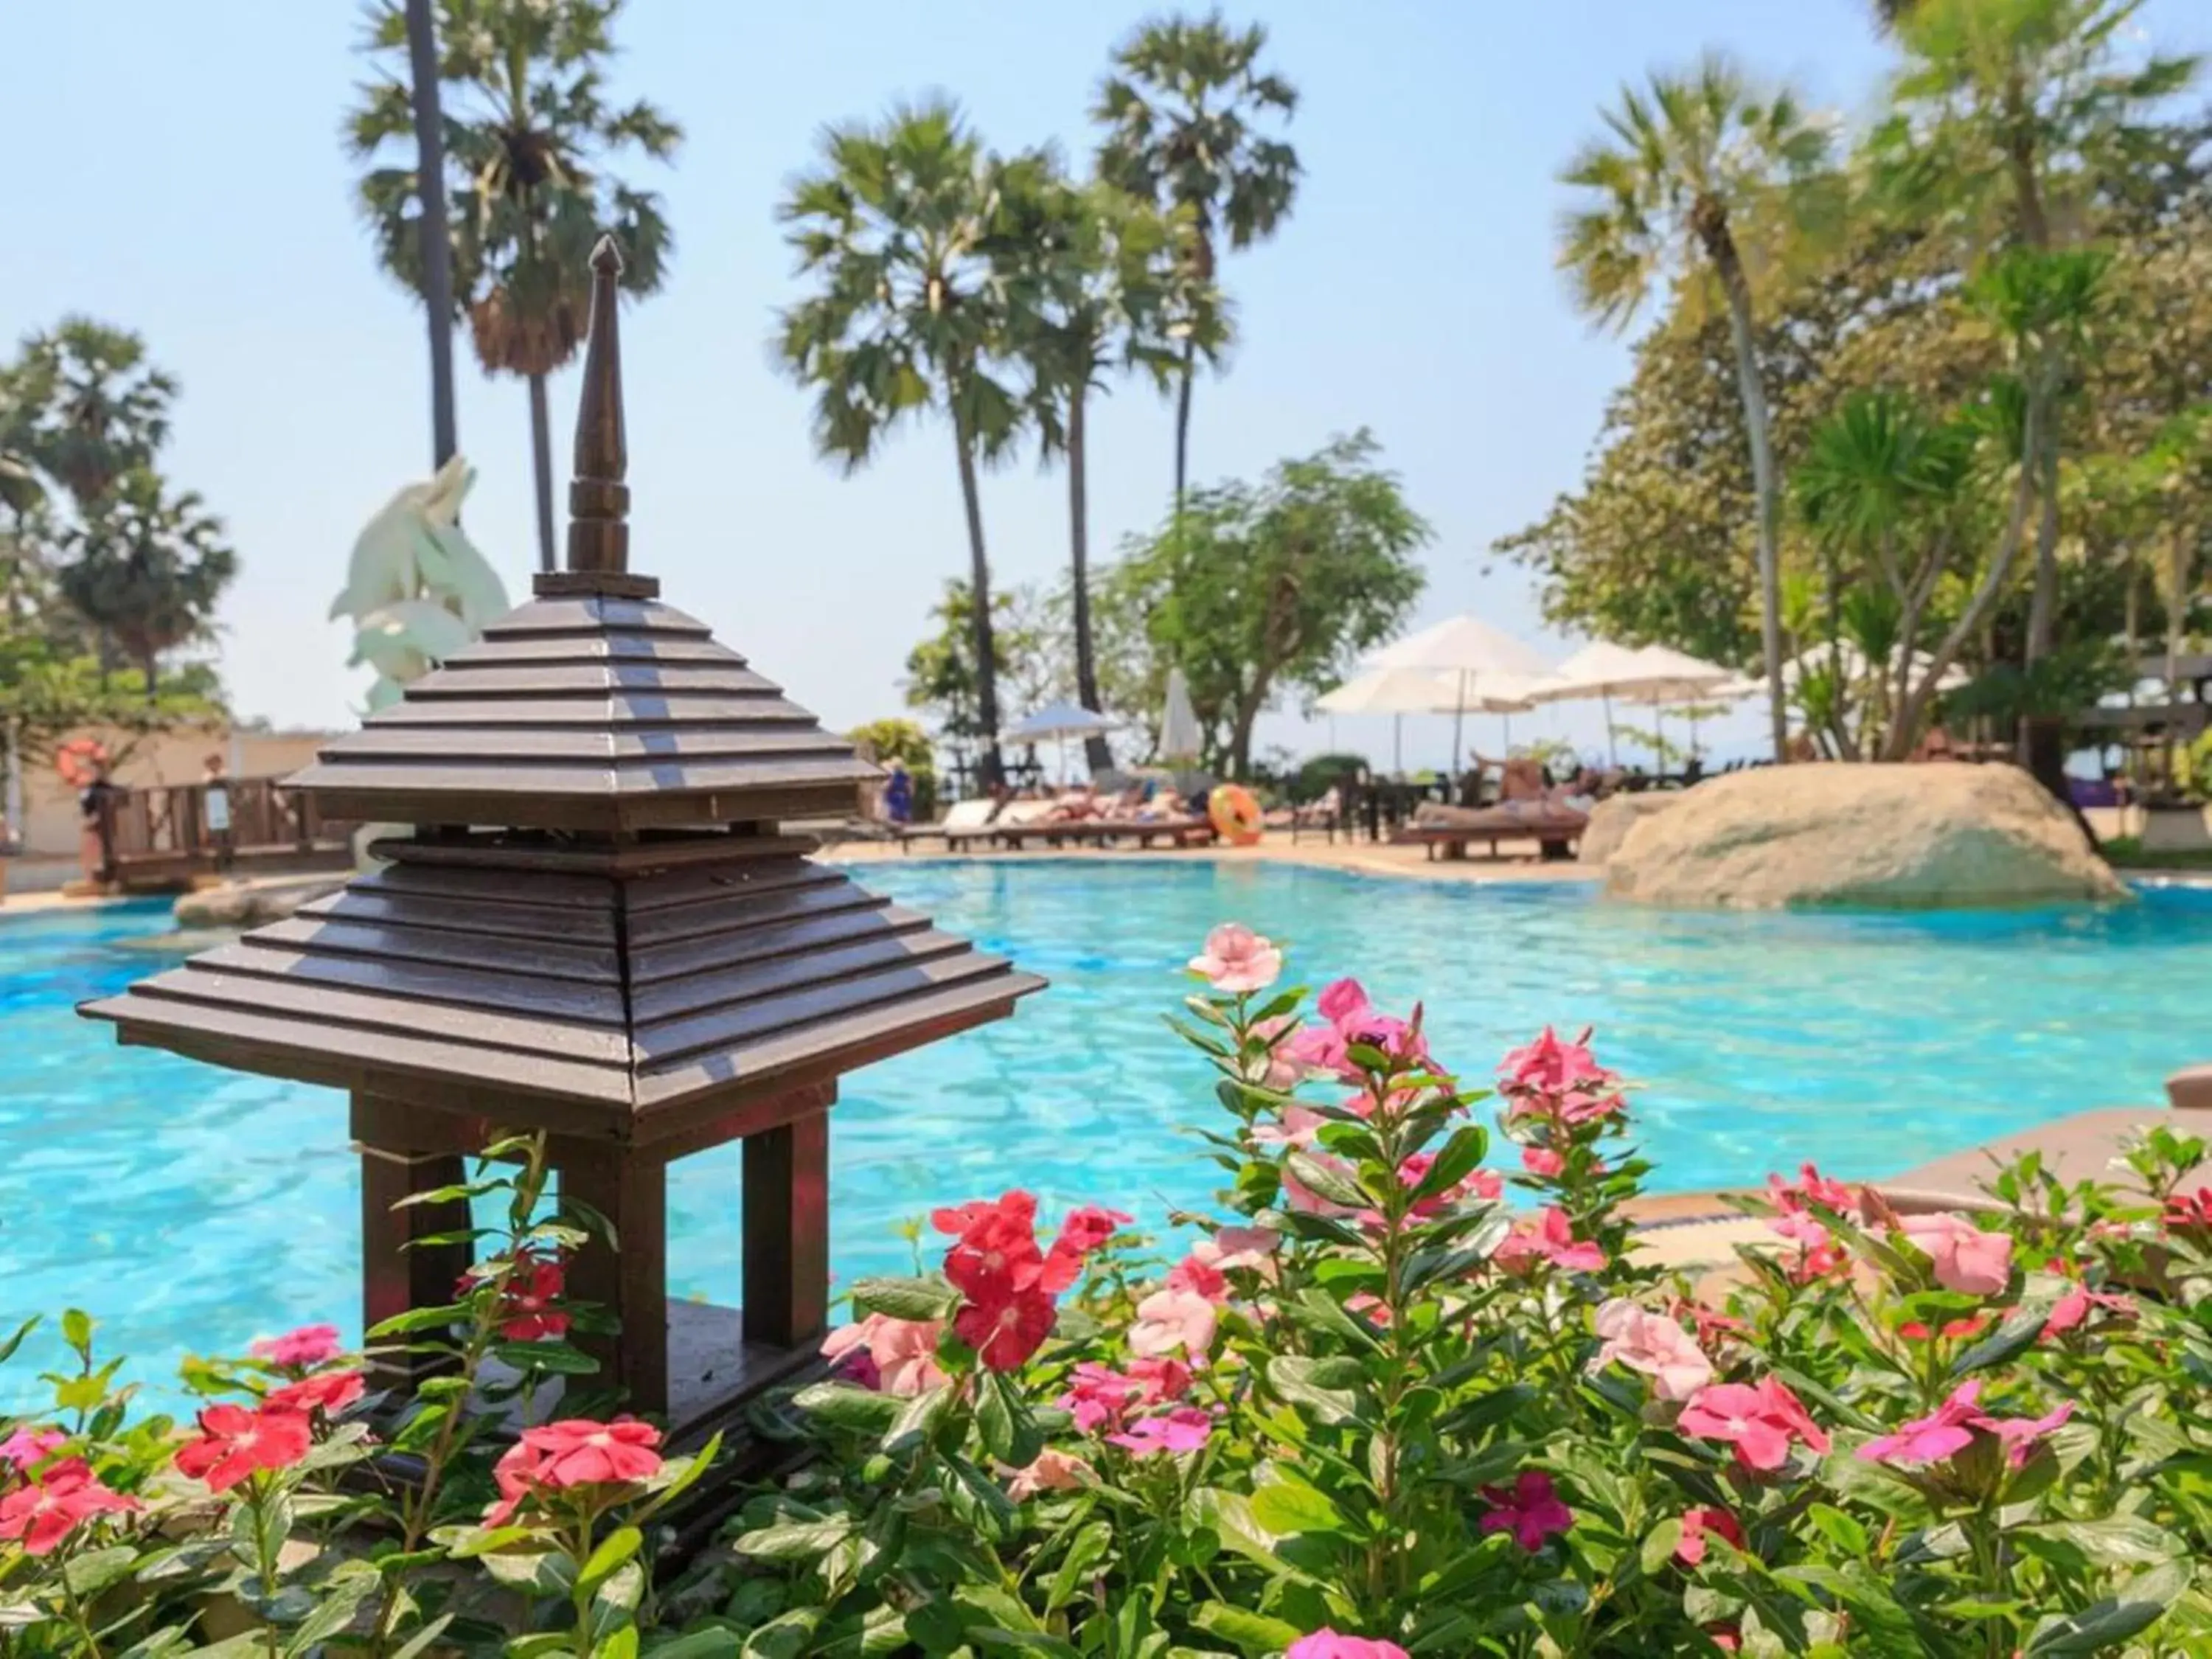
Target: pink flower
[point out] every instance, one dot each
(40, 1515)
(1549, 1238)
(1966, 1259)
(1341, 1000)
(1696, 1524)
(1370, 1307)
(1328, 1644)
(1159, 1378)
(27, 1446)
(1812, 1186)
(327, 1391)
(234, 1442)
(1531, 1511)
(301, 1350)
(1278, 1070)
(1231, 1248)
(1185, 1429)
(1350, 1018)
(1952, 1427)
(1656, 1345)
(1561, 1080)
(1098, 1396)
(1761, 1423)
(2069, 1313)
(902, 1351)
(1477, 1183)
(1169, 1320)
(1542, 1161)
(1050, 1471)
(1237, 960)
(573, 1452)
(1294, 1126)
(1930, 1439)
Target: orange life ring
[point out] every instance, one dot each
(79, 761)
(1234, 813)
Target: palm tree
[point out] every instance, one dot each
(901, 229)
(1695, 179)
(430, 224)
(94, 408)
(526, 138)
(1182, 113)
(149, 570)
(1089, 277)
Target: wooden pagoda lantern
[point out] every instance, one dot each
(596, 930)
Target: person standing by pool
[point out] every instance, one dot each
(898, 794)
(96, 807)
(216, 809)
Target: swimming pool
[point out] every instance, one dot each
(182, 1203)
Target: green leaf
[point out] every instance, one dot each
(616, 1547)
(2014, 1336)
(1329, 1182)
(1084, 1552)
(711, 1642)
(1842, 1530)
(423, 1638)
(1459, 1159)
(8, 1348)
(89, 1574)
(801, 1540)
(339, 1601)
(417, 1319)
(1286, 1506)
(622, 1645)
(994, 1419)
(76, 1330)
(848, 1406)
(921, 1299)
(1660, 1545)
(2118, 1541)
(1317, 1310)
(918, 1418)
(557, 1358)
(2103, 1624)
(1327, 1388)
(1253, 1633)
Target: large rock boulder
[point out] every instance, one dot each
(250, 903)
(1611, 820)
(1903, 836)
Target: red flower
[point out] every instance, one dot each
(234, 1442)
(330, 1391)
(1088, 1229)
(1531, 1511)
(1915, 1331)
(1200, 1278)
(40, 1515)
(573, 1452)
(529, 1306)
(1696, 1524)
(1005, 1330)
(2191, 1213)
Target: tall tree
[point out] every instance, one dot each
(900, 230)
(1255, 589)
(430, 226)
(2013, 120)
(1700, 178)
(147, 568)
(1091, 275)
(93, 406)
(1186, 110)
(528, 135)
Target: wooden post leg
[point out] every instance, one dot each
(630, 1282)
(786, 1222)
(398, 1273)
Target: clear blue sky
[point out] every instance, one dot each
(176, 168)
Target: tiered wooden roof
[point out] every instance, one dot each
(597, 920)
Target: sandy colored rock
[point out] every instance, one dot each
(1611, 818)
(1898, 836)
(251, 903)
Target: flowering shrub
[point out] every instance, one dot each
(1369, 1408)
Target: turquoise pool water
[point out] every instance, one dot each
(182, 1203)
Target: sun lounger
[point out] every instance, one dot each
(963, 821)
(1446, 831)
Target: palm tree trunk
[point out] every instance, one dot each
(1182, 423)
(541, 445)
(437, 252)
(1723, 248)
(1096, 753)
(150, 666)
(991, 765)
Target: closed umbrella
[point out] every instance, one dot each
(1180, 737)
(1474, 655)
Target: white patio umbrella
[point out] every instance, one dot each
(1058, 721)
(1652, 675)
(1396, 692)
(1474, 655)
(1180, 737)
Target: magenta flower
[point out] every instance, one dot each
(27, 1446)
(300, 1350)
(1530, 1510)
(1098, 1396)
(1761, 1423)
(1654, 1345)
(1237, 960)
(1185, 1429)
(1952, 1429)
(1550, 1067)
(1965, 1258)
(1328, 1644)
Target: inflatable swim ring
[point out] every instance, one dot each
(79, 761)
(1234, 813)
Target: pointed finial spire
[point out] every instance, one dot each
(598, 500)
